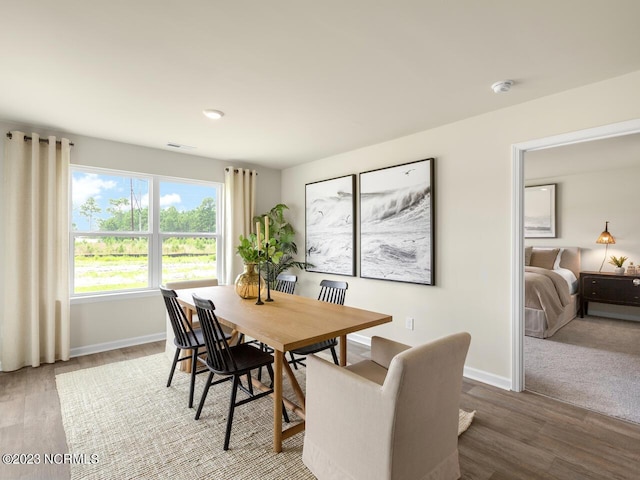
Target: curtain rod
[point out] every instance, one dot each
(236, 170)
(42, 140)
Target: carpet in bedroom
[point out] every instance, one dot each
(592, 362)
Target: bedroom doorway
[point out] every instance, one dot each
(518, 183)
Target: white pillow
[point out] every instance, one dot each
(556, 264)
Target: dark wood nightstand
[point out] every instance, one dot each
(608, 288)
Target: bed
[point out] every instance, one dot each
(551, 289)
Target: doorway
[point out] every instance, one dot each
(518, 182)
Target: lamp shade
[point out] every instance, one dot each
(605, 237)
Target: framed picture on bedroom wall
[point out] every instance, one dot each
(330, 241)
(397, 223)
(540, 211)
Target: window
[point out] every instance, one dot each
(134, 232)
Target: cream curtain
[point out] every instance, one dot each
(239, 209)
(35, 208)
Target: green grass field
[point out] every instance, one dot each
(122, 264)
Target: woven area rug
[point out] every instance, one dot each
(123, 416)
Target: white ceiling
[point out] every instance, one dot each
(298, 80)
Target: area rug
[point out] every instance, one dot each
(592, 362)
(122, 422)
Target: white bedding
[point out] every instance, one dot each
(570, 278)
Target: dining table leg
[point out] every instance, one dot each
(343, 350)
(277, 401)
(185, 366)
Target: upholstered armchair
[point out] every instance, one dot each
(392, 417)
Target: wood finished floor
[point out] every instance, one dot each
(513, 436)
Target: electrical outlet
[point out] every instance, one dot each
(408, 323)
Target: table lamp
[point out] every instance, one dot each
(606, 238)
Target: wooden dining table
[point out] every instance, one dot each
(286, 323)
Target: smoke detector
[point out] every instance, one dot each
(502, 86)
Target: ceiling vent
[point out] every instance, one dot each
(180, 146)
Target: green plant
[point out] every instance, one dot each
(618, 261)
(248, 249)
(282, 246)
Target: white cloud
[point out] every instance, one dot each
(89, 185)
(170, 199)
(165, 200)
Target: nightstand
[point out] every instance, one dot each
(608, 288)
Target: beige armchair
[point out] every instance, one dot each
(392, 417)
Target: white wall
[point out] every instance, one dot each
(584, 202)
(110, 323)
(473, 216)
(472, 230)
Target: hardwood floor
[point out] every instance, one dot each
(513, 436)
(30, 418)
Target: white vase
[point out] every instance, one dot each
(619, 270)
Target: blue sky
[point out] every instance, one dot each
(183, 196)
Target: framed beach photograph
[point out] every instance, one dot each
(396, 223)
(540, 211)
(330, 241)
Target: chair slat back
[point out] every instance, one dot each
(219, 356)
(333, 292)
(182, 329)
(286, 283)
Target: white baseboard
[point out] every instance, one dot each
(125, 342)
(488, 378)
(469, 372)
(362, 339)
(472, 373)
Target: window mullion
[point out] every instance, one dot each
(155, 257)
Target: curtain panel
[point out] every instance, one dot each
(239, 209)
(35, 204)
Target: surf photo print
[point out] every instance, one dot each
(396, 223)
(330, 226)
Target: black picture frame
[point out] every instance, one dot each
(397, 223)
(330, 211)
(540, 211)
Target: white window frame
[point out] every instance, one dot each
(154, 236)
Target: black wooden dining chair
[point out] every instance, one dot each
(185, 338)
(331, 292)
(231, 362)
(286, 283)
